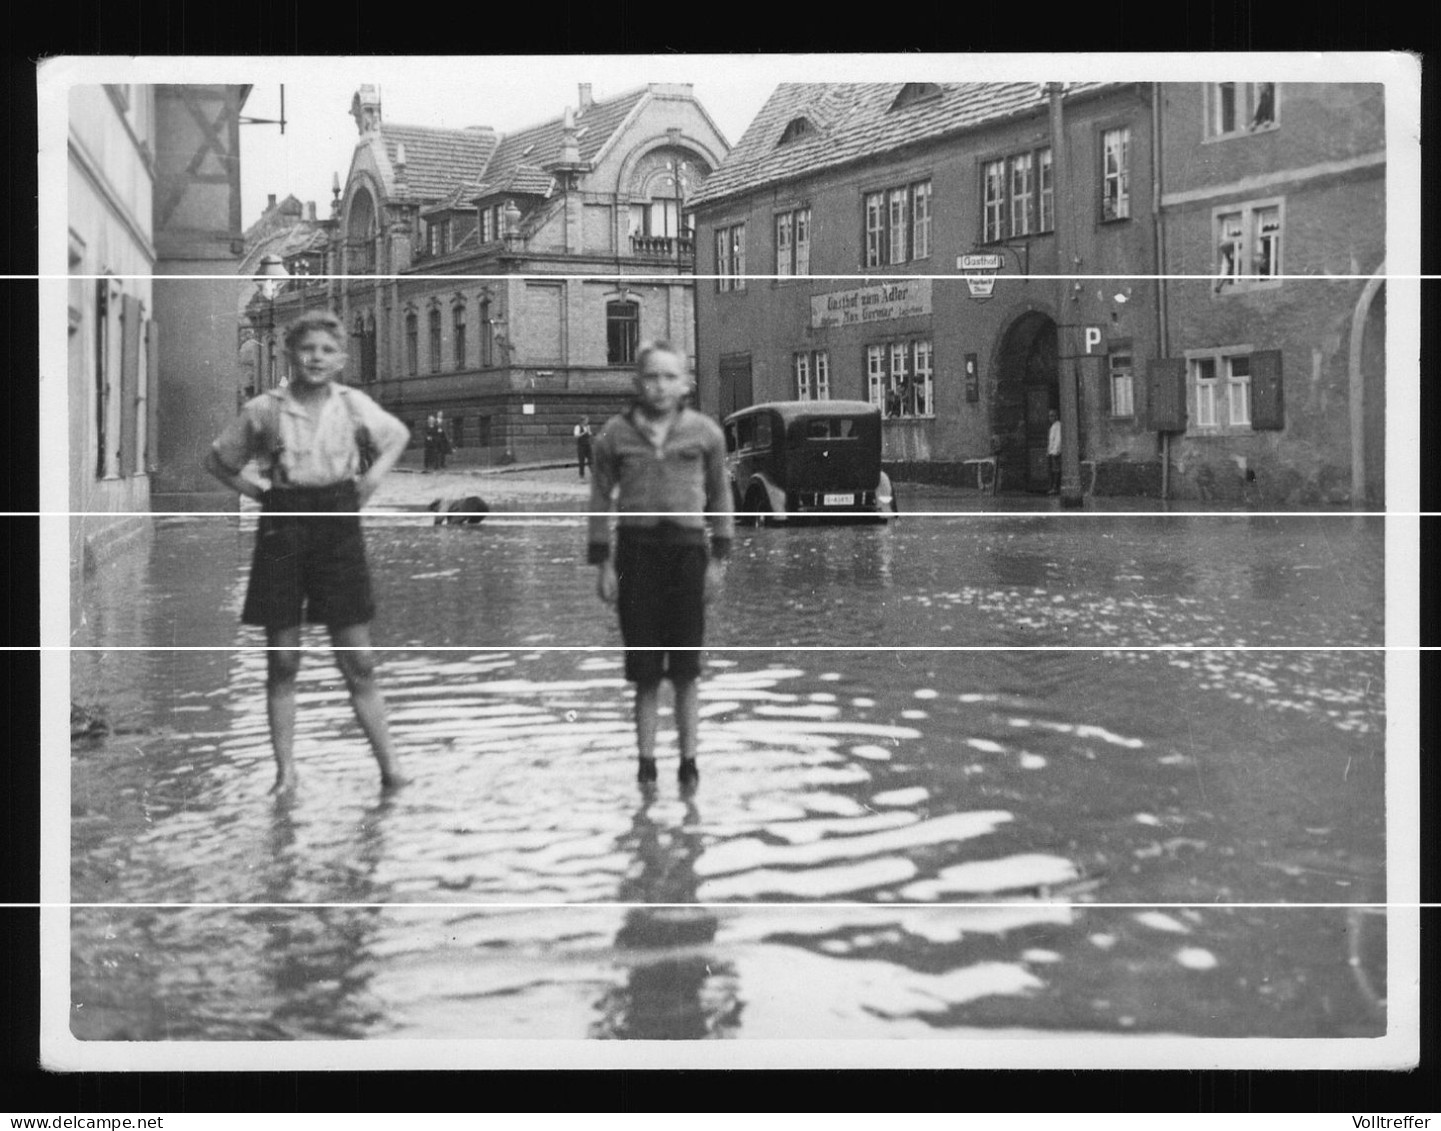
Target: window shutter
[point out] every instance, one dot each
(1166, 384)
(1267, 405)
(152, 397)
(130, 331)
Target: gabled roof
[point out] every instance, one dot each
(435, 159)
(458, 197)
(854, 121)
(538, 146)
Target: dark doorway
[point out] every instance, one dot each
(735, 383)
(1027, 388)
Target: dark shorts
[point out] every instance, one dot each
(309, 567)
(662, 607)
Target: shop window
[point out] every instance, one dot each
(1115, 174)
(897, 224)
(622, 332)
(1236, 108)
(1248, 246)
(730, 256)
(812, 371)
(900, 378)
(1017, 197)
(793, 242)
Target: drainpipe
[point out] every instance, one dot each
(1159, 239)
(1065, 329)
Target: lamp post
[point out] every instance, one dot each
(268, 281)
(1065, 310)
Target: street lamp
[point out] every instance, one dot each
(268, 281)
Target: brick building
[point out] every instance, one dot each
(838, 228)
(505, 280)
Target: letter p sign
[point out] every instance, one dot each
(1092, 337)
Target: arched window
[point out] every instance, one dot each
(360, 233)
(435, 339)
(622, 332)
(412, 343)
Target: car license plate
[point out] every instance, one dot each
(840, 500)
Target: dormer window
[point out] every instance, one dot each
(797, 128)
(913, 92)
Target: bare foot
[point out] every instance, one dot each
(285, 783)
(392, 781)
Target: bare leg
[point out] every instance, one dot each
(282, 663)
(358, 668)
(647, 713)
(687, 721)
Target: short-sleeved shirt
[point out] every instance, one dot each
(297, 448)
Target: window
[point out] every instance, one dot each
(1235, 390)
(487, 335)
(432, 231)
(1017, 197)
(622, 332)
(813, 375)
(1022, 191)
(457, 431)
(796, 129)
(793, 242)
(1115, 174)
(898, 224)
(913, 92)
(900, 378)
(1122, 381)
(458, 334)
(1248, 246)
(412, 343)
(1234, 108)
(435, 339)
(730, 256)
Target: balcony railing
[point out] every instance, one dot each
(664, 247)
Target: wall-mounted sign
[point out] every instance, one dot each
(879, 303)
(1092, 337)
(527, 409)
(973, 378)
(980, 271)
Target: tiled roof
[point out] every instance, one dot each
(854, 121)
(460, 196)
(521, 179)
(538, 146)
(435, 159)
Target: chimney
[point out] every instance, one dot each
(400, 161)
(269, 202)
(310, 210)
(586, 100)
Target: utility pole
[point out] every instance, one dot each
(1065, 301)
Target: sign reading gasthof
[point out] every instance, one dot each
(879, 303)
(980, 272)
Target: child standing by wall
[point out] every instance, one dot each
(310, 440)
(661, 465)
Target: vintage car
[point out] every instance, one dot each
(788, 459)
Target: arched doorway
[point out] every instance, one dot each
(1027, 388)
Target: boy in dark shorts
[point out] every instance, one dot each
(310, 439)
(661, 465)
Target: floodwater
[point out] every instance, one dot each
(884, 842)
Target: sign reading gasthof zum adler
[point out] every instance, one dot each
(878, 303)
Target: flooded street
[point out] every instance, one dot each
(890, 838)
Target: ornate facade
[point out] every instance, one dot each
(505, 280)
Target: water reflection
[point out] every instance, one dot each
(675, 986)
